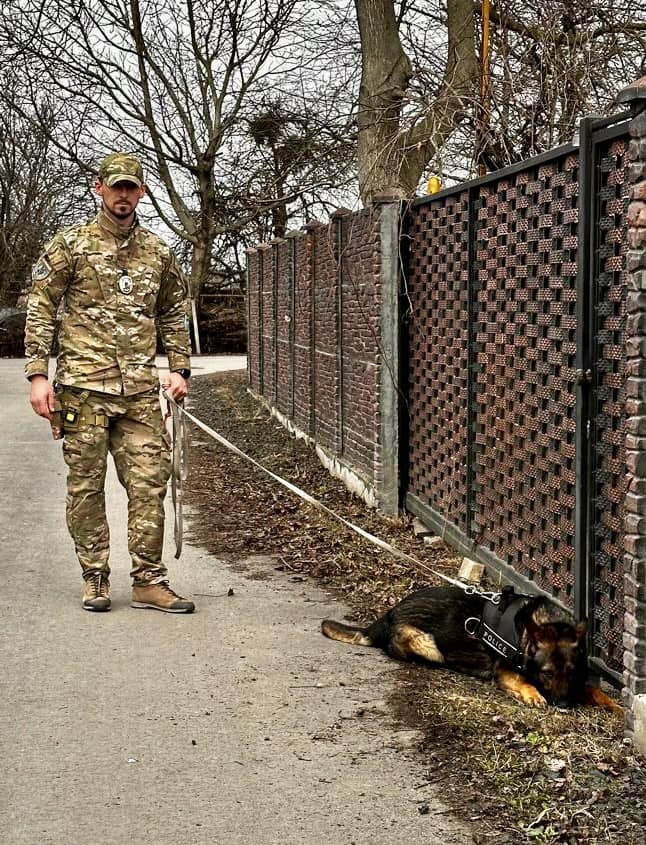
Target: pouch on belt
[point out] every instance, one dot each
(73, 409)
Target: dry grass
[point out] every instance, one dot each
(516, 775)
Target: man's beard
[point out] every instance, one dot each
(122, 214)
(119, 215)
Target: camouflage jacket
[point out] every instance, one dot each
(115, 284)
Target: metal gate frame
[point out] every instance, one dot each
(592, 133)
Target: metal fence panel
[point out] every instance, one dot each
(526, 383)
(498, 321)
(437, 288)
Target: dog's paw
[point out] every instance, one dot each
(529, 695)
(597, 698)
(516, 686)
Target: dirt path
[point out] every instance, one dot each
(238, 724)
(515, 774)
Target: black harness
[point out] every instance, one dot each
(497, 626)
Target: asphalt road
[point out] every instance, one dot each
(237, 724)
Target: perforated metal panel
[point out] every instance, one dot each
(526, 245)
(493, 282)
(609, 466)
(437, 402)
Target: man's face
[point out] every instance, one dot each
(120, 199)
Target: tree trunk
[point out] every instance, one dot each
(392, 159)
(204, 235)
(456, 94)
(385, 74)
(200, 264)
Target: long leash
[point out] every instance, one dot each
(179, 467)
(178, 412)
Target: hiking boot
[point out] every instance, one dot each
(96, 595)
(160, 597)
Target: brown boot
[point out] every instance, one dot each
(160, 597)
(96, 595)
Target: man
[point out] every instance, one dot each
(116, 281)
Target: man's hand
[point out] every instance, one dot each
(42, 397)
(176, 386)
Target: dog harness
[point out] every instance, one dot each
(497, 626)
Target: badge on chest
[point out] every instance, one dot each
(125, 282)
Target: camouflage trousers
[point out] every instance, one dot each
(132, 430)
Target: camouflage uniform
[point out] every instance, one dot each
(106, 379)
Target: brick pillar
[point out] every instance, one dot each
(265, 302)
(635, 523)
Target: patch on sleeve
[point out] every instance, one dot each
(41, 270)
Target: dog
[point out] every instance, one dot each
(442, 626)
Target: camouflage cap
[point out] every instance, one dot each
(121, 167)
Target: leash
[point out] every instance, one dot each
(179, 467)
(179, 411)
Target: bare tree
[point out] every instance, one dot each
(38, 193)
(176, 82)
(395, 141)
(243, 109)
(552, 63)
(419, 102)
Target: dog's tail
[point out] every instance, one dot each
(345, 633)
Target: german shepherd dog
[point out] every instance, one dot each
(429, 625)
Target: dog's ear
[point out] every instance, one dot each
(537, 633)
(541, 633)
(549, 633)
(581, 630)
(533, 630)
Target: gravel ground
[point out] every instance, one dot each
(516, 775)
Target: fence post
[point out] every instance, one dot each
(635, 521)
(583, 519)
(261, 319)
(275, 257)
(292, 240)
(387, 453)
